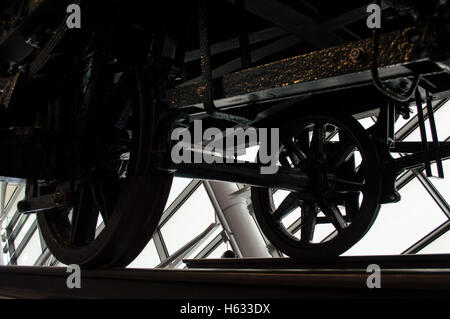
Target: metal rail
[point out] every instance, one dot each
(44, 282)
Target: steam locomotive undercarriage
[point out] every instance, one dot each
(86, 114)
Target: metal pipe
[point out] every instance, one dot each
(249, 174)
(413, 161)
(428, 239)
(434, 193)
(178, 256)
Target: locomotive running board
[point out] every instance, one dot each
(322, 71)
(430, 262)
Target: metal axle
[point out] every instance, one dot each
(246, 173)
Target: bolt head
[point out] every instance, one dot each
(357, 55)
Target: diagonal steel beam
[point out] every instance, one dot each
(293, 21)
(277, 46)
(428, 239)
(349, 17)
(257, 55)
(225, 46)
(3, 186)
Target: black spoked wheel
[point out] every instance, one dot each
(116, 199)
(343, 201)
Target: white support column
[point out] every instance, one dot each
(234, 211)
(3, 186)
(2, 212)
(2, 262)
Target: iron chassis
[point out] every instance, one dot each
(262, 92)
(329, 85)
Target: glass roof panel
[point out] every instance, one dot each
(31, 252)
(148, 258)
(439, 246)
(443, 185)
(193, 217)
(400, 225)
(178, 186)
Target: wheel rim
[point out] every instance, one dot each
(342, 203)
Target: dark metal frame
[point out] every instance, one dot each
(326, 70)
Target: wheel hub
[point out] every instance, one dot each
(338, 157)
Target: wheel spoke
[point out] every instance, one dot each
(308, 223)
(289, 204)
(99, 199)
(351, 205)
(344, 154)
(284, 159)
(318, 141)
(84, 219)
(343, 150)
(346, 186)
(106, 192)
(306, 196)
(332, 212)
(360, 173)
(303, 139)
(326, 220)
(295, 153)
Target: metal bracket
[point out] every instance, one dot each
(206, 87)
(246, 58)
(386, 123)
(423, 134)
